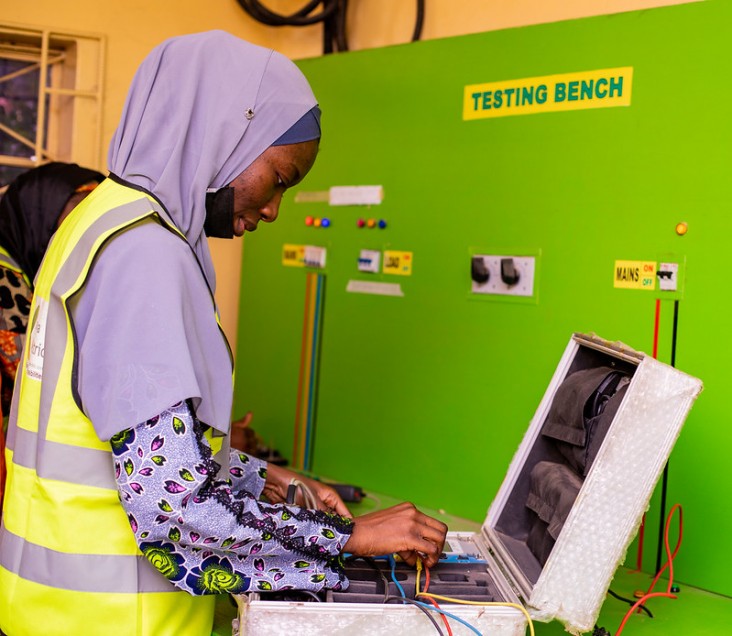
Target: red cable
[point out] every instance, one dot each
(656, 322)
(669, 564)
(433, 601)
(641, 531)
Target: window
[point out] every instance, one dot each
(50, 98)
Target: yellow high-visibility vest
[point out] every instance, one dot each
(69, 563)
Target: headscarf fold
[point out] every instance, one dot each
(200, 110)
(31, 206)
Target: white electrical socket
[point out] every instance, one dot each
(525, 266)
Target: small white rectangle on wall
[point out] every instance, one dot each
(379, 289)
(356, 195)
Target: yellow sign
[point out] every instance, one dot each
(293, 255)
(635, 275)
(571, 91)
(399, 263)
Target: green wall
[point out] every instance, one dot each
(426, 397)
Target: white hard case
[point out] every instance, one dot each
(572, 584)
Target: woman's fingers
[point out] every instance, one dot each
(402, 529)
(329, 498)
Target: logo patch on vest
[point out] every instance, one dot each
(37, 344)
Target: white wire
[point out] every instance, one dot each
(307, 494)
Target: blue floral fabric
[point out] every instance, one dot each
(209, 536)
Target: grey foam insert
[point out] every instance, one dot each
(517, 525)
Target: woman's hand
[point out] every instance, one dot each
(402, 529)
(326, 498)
(243, 438)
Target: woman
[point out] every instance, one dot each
(31, 209)
(126, 387)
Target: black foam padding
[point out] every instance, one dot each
(465, 581)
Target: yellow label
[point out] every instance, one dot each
(571, 91)
(635, 275)
(399, 263)
(293, 255)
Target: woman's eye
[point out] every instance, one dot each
(280, 182)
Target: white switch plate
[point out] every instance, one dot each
(369, 261)
(668, 276)
(315, 256)
(524, 265)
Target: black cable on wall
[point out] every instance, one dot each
(419, 22)
(332, 13)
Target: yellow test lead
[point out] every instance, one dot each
(419, 575)
(461, 602)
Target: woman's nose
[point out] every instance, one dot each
(270, 211)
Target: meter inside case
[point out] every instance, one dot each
(558, 528)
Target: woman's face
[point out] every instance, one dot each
(258, 190)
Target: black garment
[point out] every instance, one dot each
(581, 413)
(31, 206)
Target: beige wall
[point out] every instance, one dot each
(373, 23)
(133, 27)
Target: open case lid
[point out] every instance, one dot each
(572, 583)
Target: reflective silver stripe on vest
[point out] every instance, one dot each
(51, 460)
(67, 276)
(114, 574)
(78, 572)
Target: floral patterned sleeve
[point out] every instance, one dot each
(247, 472)
(208, 538)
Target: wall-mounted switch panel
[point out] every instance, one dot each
(668, 276)
(369, 261)
(315, 256)
(506, 275)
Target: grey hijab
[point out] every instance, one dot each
(200, 110)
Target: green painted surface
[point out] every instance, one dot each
(694, 611)
(426, 397)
